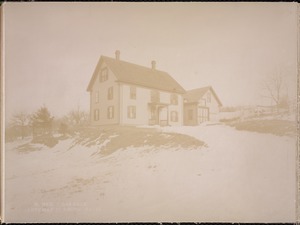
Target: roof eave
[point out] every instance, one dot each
(89, 87)
(212, 90)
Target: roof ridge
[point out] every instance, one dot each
(133, 73)
(196, 89)
(133, 64)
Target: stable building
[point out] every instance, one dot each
(201, 105)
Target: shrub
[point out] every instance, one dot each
(229, 120)
(46, 139)
(63, 128)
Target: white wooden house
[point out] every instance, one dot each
(124, 93)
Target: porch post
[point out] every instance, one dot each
(167, 115)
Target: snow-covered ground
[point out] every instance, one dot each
(240, 176)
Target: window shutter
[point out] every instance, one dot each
(128, 112)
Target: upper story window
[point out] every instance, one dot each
(103, 75)
(110, 93)
(96, 114)
(174, 116)
(132, 92)
(208, 97)
(97, 96)
(131, 112)
(174, 99)
(203, 102)
(155, 96)
(110, 112)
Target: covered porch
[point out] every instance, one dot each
(158, 114)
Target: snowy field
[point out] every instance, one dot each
(239, 176)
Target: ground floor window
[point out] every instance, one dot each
(131, 112)
(96, 114)
(110, 112)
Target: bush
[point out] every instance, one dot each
(46, 139)
(63, 128)
(276, 127)
(229, 120)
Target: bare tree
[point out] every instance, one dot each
(77, 116)
(274, 89)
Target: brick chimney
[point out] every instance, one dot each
(117, 53)
(153, 63)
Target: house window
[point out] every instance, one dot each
(190, 114)
(110, 112)
(131, 112)
(154, 96)
(97, 96)
(110, 93)
(96, 114)
(132, 92)
(174, 99)
(103, 75)
(174, 116)
(208, 97)
(203, 102)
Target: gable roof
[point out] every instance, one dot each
(139, 75)
(195, 95)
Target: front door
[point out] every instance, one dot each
(163, 116)
(154, 115)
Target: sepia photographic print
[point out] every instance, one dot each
(149, 112)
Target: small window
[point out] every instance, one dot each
(208, 97)
(132, 92)
(110, 93)
(190, 114)
(131, 112)
(96, 114)
(203, 102)
(97, 96)
(154, 96)
(174, 99)
(174, 116)
(103, 75)
(110, 112)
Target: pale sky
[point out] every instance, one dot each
(51, 49)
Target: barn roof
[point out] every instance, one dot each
(139, 75)
(195, 95)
